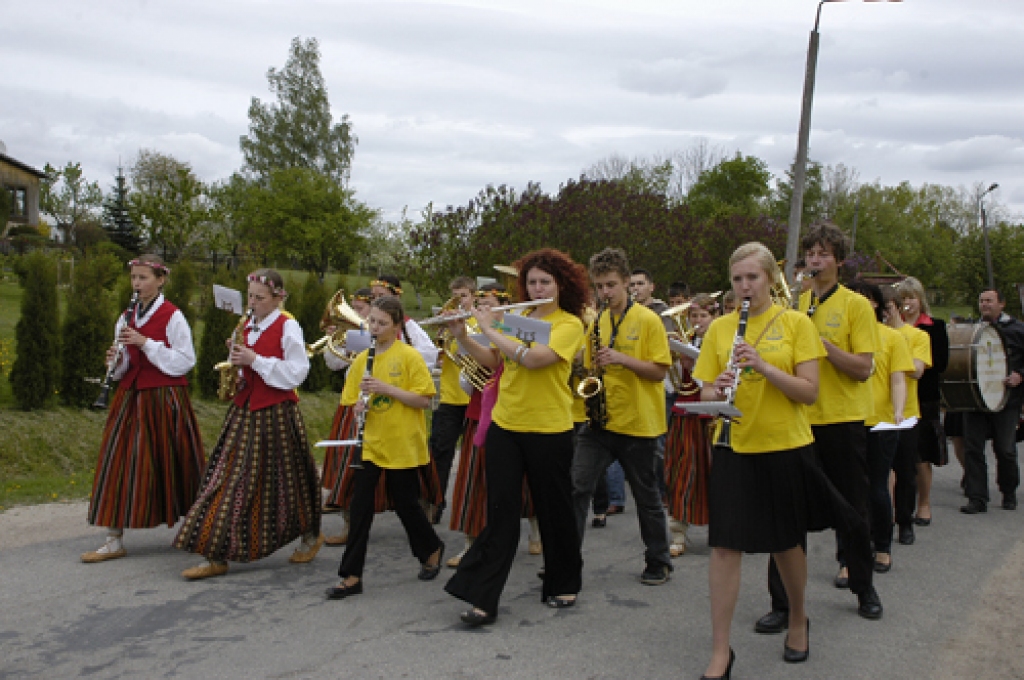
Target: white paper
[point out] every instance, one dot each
(533, 331)
(228, 299)
(905, 425)
(683, 348)
(710, 408)
(331, 443)
(356, 341)
(480, 339)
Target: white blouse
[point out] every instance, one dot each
(422, 342)
(289, 372)
(175, 358)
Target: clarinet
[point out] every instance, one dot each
(725, 434)
(101, 400)
(364, 398)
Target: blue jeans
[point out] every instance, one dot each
(616, 485)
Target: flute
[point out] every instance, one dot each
(445, 318)
(101, 400)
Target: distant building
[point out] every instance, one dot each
(22, 181)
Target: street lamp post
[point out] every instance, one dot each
(796, 205)
(984, 233)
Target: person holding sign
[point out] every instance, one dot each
(757, 498)
(530, 436)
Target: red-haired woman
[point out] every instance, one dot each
(530, 435)
(151, 458)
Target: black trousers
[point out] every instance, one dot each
(1003, 428)
(404, 487)
(904, 464)
(446, 427)
(841, 451)
(881, 451)
(546, 460)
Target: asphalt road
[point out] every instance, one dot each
(137, 618)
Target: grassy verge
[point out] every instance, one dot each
(50, 455)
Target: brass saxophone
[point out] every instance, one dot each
(591, 387)
(229, 373)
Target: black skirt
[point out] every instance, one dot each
(931, 443)
(765, 502)
(953, 424)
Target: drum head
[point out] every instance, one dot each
(990, 367)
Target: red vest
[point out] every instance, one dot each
(258, 393)
(142, 374)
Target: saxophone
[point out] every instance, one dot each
(591, 387)
(229, 373)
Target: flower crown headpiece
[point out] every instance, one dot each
(362, 298)
(500, 295)
(395, 290)
(156, 266)
(265, 280)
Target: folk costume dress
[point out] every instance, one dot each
(687, 465)
(261, 488)
(151, 456)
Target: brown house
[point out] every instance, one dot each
(22, 181)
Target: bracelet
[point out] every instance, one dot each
(526, 350)
(518, 353)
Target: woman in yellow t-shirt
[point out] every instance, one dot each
(530, 435)
(757, 497)
(394, 439)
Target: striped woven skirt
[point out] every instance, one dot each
(688, 468)
(469, 497)
(151, 460)
(336, 458)
(260, 490)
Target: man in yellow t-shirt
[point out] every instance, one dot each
(449, 419)
(849, 332)
(631, 350)
(905, 463)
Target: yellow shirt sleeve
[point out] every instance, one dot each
(350, 393)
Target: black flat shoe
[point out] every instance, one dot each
(430, 573)
(906, 535)
(561, 601)
(974, 507)
(841, 581)
(599, 522)
(728, 669)
(341, 591)
(922, 521)
(869, 604)
(772, 622)
(883, 567)
(790, 655)
(475, 618)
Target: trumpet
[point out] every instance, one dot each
(101, 400)
(725, 433)
(457, 316)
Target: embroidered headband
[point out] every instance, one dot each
(156, 266)
(499, 295)
(279, 292)
(361, 298)
(395, 290)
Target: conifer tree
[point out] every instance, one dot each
(88, 330)
(308, 312)
(34, 373)
(116, 221)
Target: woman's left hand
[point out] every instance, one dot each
(130, 336)
(747, 357)
(242, 356)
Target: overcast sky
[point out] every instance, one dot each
(446, 98)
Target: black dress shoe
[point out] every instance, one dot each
(790, 655)
(599, 522)
(728, 669)
(906, 535)
(475, 618)
(883, 567)
(1009, 501)
(562, 601)
(341, 591)
(773, 622)
(973, 507)
(430, 573)
(922, 521)
(841, 581)
(870, 604)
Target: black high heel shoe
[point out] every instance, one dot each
(790, 655)
(728, 669)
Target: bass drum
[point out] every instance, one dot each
(973, 380)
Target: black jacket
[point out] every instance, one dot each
(1012, 331)
(928, 386)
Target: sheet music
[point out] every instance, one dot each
(535, 331)
(710, 408)
(683, 348)
(228, 299)
(356, 341)
(907, 424)
(480, 339)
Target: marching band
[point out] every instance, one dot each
(765, 413)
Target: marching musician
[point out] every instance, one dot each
(261, 488)
(628, 348)
(449, 418)
(757, 499)
(849, 333)
(151, 456)
(892, 367)
(395, 440)
(904, 464)
(931, 437)
(530, 435)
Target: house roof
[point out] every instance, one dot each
(22, 166)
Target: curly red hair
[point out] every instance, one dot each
(571, 277)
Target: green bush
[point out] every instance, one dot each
(181, 285)
(88, 329)
(308, 312)
(34, 374)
